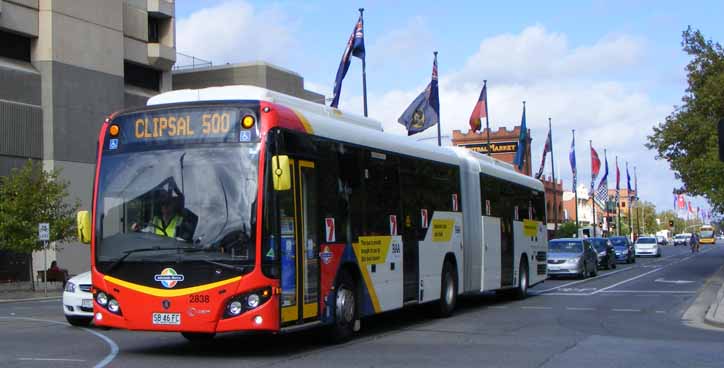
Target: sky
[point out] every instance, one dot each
(611, 70)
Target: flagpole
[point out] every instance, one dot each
(593, 200)
(364, 74)
(553, 173)
(439, 143)
(618, 199)
(575, 180)
(638, 216)
(487, 119)
(630, 203)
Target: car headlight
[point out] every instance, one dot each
(70, 287)
(572, 260)
(602, 254)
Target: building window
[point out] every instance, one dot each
(153, 30)
(14, 46)
(141, 76)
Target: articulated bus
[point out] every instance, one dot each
(706, 235)
(237, 209)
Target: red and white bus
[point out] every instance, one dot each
(237, 208)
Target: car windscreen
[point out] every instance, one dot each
(619, 242)
(646, 241)
(599, 244)
(565, 246)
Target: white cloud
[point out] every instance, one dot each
(574, 86)
(230, 32)
(402, 46)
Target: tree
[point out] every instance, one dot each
(28, 196)
(567, 229)
(644, 218)
(666, 216)
(688, 139)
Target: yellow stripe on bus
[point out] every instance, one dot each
(304, 122)
(169, 293)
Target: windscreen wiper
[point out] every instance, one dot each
(224, 265)
(140, 250)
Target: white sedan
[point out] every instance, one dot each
(647, 246)
(78, 300)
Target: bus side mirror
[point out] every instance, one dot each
(84, 226)
(280, 173)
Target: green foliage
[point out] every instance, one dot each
(28, 196)
(666, 216)
(567, 229)
(688, 138)
(644, 218)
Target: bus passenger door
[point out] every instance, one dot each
(300, 246)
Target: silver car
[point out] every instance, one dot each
(573, 257)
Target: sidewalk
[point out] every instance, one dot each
(10, 295)
(715, 314)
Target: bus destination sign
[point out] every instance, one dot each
(184, 125)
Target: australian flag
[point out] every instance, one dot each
(424, 111)
(522, 141)
(355, 47)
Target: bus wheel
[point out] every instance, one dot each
(521, 292)
(345, 308)
(448, 291)
(198, 337)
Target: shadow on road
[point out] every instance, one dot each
(287, 345)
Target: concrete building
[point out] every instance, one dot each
(260, 74)
(64, 66)
(585, 209)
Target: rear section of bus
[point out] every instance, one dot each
(706, 235)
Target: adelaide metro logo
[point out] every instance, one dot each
(168, 277)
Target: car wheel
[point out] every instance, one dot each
(79, 321)
(345, 308)
(198, 337)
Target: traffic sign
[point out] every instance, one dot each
(44, 231)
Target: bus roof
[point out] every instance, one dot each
(325, 121)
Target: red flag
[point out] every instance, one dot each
(595, 163)
(682, 202)
(480, 111)
(691, 209)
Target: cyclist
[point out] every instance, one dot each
(694, 243)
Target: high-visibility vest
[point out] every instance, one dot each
(170, 227)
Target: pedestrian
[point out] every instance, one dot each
(55, 273)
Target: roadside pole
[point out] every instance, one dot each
(44, 236)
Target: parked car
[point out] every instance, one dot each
(661, 240)
(606, 253)
(78, 300)
(647, 246)
(572, 256)
(623, 248)
(682, 239)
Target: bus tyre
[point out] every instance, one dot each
(198, 337)
(448, 291)
(345, 308)
(521, 292)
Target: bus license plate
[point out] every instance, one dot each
(167, 318)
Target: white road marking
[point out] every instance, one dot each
(627, 280)
(111, 343)
(625, 310)
(584, 280)
(534, 307)
(53, 359)
(660, 311)
(580, 308)
(677, 282)
(650, 291)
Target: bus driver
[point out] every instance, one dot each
(168, 222)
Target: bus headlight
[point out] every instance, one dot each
(241, 303)
(235, 308)
(113, 306)
(252, 301)
(102, 298)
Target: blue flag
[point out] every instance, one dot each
(572, 159)
(628, 182)
(355, 47)
(522, 141)
(424, 111)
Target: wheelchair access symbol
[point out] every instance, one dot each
(244, 136)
